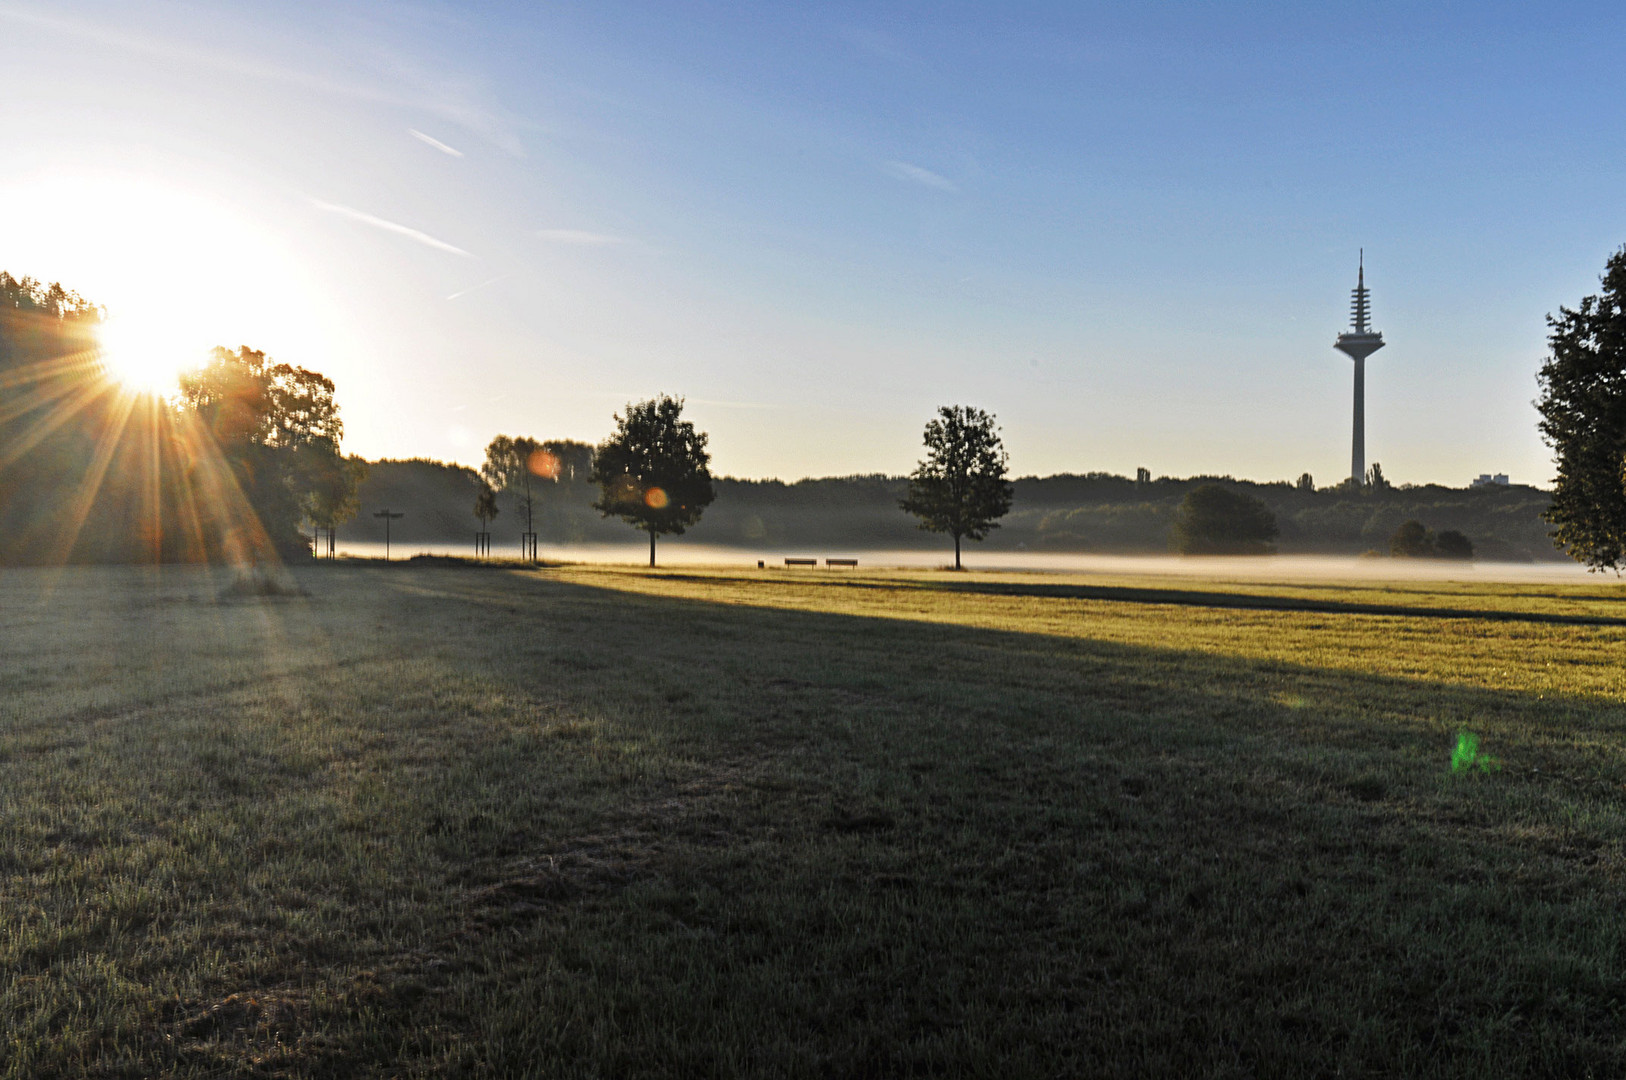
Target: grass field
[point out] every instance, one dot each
(589, 821)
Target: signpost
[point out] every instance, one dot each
(388, 517)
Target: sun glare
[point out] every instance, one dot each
(146, 357)
(179, 272)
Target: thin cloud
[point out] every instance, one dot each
(483, 284)
(456, 100)
(390, 226)
(879, 46)
(436, 143)
(902, 170)
(579, 236)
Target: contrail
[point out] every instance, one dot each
(902, 170)
(389, 226)
(436, 143)
(483, 284)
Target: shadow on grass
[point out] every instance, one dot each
(1076, 855)
(484, 821)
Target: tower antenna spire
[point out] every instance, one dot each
(1358, 343)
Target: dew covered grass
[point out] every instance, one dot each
(596, 821)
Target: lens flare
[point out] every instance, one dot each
(1468, 756)
(655, 499)
(543, 464)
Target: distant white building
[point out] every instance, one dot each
(1485, 479)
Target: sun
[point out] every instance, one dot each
(145, 356)
(182, 262)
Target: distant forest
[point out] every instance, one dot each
(1095, 512)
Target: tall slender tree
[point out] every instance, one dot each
(485, 502)
(1583, 418)
(960, 487)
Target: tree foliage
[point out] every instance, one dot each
(277, 426)
(1452, 544)
(231, 469)
(960, 488)
(1213, 520)
(510, 466)
(331, 486)
(1412, 540)
(654, 472)
(54, 413)
(485, 502)
(1583, 418)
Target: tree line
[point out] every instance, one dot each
(654, 473)
(247, 457)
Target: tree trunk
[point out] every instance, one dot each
(956, 551)
(652, 549)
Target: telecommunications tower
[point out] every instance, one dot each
(1358, 344)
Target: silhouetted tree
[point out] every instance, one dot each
(1375, 482)
(1583, 418)
(654, 471)
(1411, 541)
(54, 411)
(1452, 544)
(1306, 483)
(1212, 520)
(960, 487)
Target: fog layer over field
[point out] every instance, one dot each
(1270, 567)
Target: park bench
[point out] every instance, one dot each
(841, 562)
(801, 562)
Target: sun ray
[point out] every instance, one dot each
(106, 447)
(69, 405)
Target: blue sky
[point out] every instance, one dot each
(1128, 230)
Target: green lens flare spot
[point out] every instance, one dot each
(1467, 756)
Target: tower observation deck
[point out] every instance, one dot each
(1358, 343)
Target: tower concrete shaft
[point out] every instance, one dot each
(1359, 343)
(1357, 448)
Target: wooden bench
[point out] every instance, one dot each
(841, 562)
(801, 562)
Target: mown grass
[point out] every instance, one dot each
(602, 822)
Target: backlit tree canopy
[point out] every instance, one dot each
(654, 471)
(278, 428)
